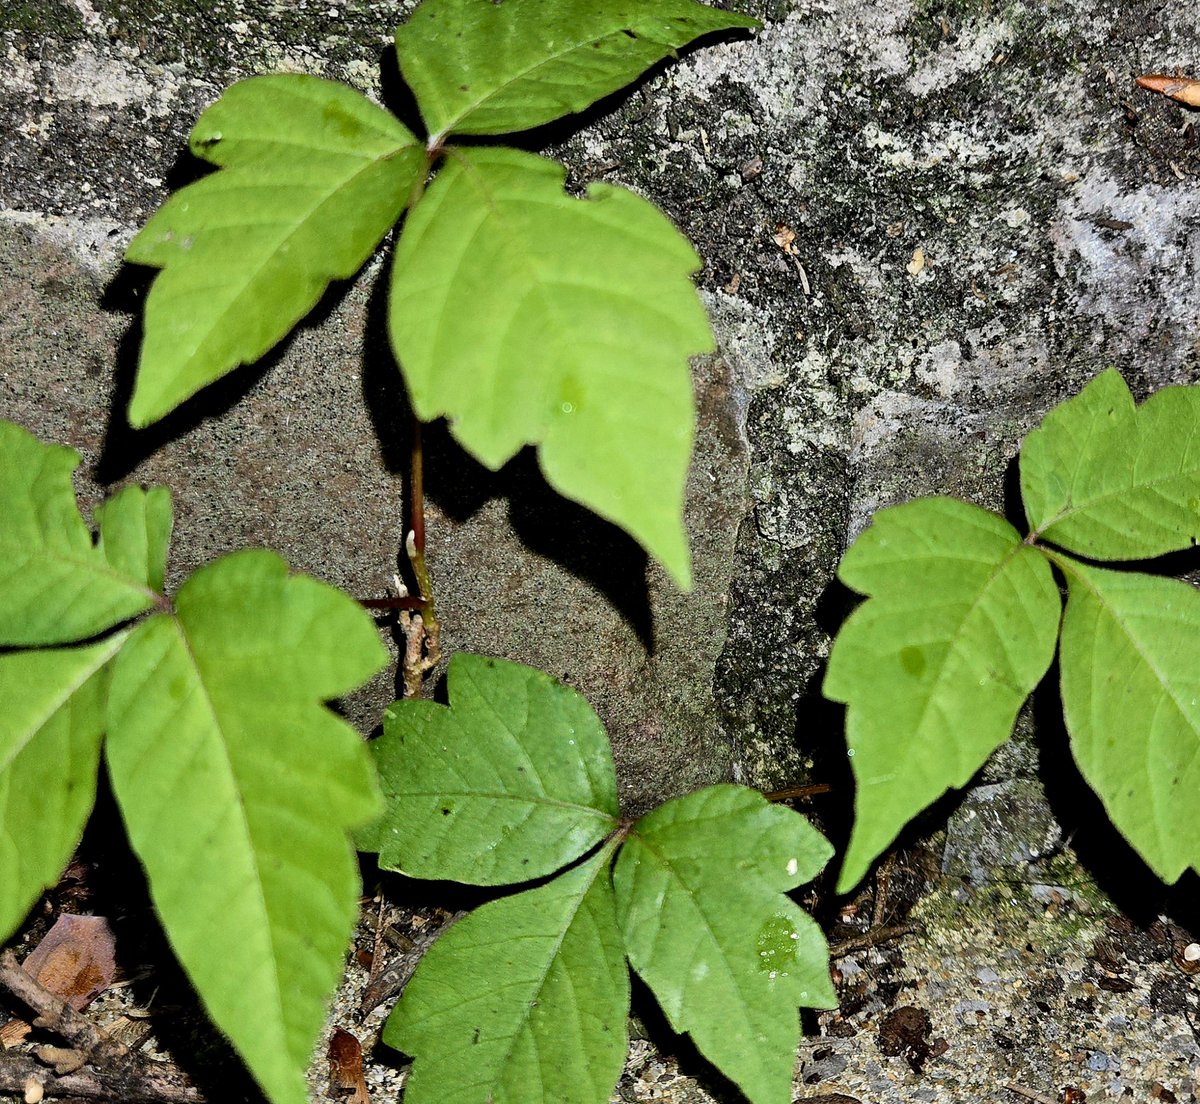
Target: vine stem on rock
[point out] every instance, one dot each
(417, 612)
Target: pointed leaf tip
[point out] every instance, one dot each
(525, 999)
(56, 584)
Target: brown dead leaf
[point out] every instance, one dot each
(785, 238)
(75, 960)
(346, 1068)
(1184, 89)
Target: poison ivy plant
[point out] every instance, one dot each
(963, 614)
(524, 315)
(219, 748)
(527, 998)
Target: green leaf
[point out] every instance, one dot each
(56, 584)
(1131, 698)
(524, 1001)
(511, 782)
(531, 317)
(50, 729)
(135, 533)
(959, 629)
(313, 176)
(238, 788)
(700, 887)
(1112, 481)
(477, 67)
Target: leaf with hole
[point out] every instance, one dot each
(312, 176)
(50, 731)
(510, 782)
(238, 788)
(959, 627)
(701, 889)
(478, 67)
(57, 585)
(525, 999)
(1131, 698)
(1113, 481)
(527, 316)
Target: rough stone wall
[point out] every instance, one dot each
(922, 224)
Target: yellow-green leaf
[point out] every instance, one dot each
(701, 888)
(478, 67)
(1131, 698)
(56, 584)
(511, 781)
(959, 627)
(312, 176)
(524, 1000)
(527, 316)
(51, 723)
(239, 789)
(1113, 481)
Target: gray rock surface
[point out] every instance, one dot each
(922, 225)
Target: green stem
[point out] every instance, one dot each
(415, 544)
(1065, 564)
(418, 188)
(416, 490)
(416, 557)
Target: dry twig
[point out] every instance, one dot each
(1184, 89)
(871, 938)
(20, 1072)
(390, 981)
(115, 1073)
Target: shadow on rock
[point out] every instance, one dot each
(549, 525)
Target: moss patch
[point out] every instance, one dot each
(56, 19)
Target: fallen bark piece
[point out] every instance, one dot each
(63, 1059)
(55, 1015)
